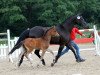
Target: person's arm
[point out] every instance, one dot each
(78, 32)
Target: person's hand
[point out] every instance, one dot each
(84, 35)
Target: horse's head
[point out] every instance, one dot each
(78, 19)
(52, 31)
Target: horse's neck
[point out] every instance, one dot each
(68, 26)
(47, 37)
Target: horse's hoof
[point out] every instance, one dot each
(38, 66)
(43, 62)
(10, 59)
(17, 65)
(52, 64)
(53, 60)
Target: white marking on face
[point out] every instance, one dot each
(78, 17)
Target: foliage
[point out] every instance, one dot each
(18, 15)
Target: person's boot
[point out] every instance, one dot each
(80, 60)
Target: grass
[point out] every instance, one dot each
(88, 35)
(3, 41)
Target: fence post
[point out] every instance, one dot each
(8, 37)
(96, 40)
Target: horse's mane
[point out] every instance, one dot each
(48, 28)
(66, 20)
(69, 19)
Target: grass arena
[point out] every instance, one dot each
(66, 65)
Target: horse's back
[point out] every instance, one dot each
(37, 31)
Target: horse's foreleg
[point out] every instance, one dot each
(58, 55)
(37, 53)
(73, 50)
(51, 53)
(42, 55)
(52, 64)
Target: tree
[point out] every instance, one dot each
(91, 10)
(18, 15)
(9, 14)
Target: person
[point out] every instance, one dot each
(75, 46)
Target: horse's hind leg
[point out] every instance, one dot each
(28, 57)
(37, 53)
(14, 48)
(21, 56)
(59, 53)
(21, 60)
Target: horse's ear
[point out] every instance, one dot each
(53, 27)
(79, 14)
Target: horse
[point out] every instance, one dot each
(62, 40)
(41, 43)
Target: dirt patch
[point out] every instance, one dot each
(66, 65)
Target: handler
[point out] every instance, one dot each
(74, 31)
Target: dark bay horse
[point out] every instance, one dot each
(63, 29)
(30, 44)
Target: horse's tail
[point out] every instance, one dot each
(22, 37)
(16, 47)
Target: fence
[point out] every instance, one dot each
(5, 48)
(4, 44)
(12, 43)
